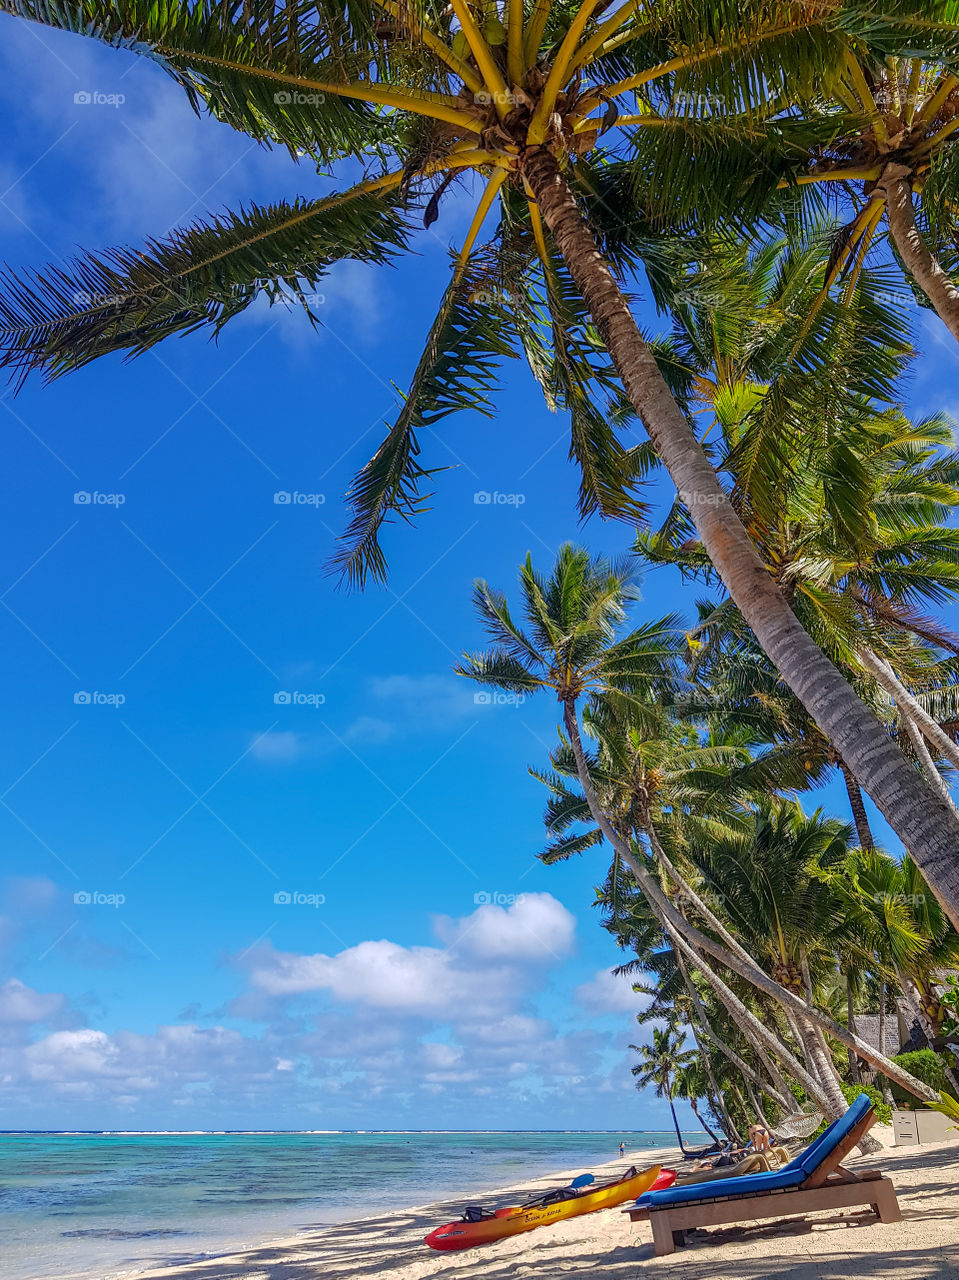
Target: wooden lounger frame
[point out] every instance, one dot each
(829, 1186)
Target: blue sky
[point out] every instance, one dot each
(197, 721)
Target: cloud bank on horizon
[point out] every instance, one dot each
(431, 1032)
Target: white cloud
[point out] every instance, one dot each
(486, 956)
(68, 1056)
(20, 1003)
(82, 1059)
(278, 746)
(534, 927)
(406, 703)
(382, 974)
(607, 992)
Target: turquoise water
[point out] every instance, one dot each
(103, 1204)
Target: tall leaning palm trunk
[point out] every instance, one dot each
(921, 818)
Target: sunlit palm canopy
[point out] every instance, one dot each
(848, 502)
(899, 75)
(671, 96)
(773, 881)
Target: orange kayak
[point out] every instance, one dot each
(556, 1206)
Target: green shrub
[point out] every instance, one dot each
(926, 1065)
(882, 1109)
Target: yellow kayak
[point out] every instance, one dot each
(555, 1206)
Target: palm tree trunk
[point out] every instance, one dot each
(712, 1088)
(853, 1057)
(909, 707)
(915, 253)
(675, 1121)
(746, 1071)
(741, 1100)
(679, 1136)
(918, 816)
(825, 1066)
(695, 943)
(757, 1105)
(731, 1128)
(743, 1017)
(825, 1056)
(927, 766)
(702, 1122)
(725, 936)
(859, 815)
(769, 1063)
(886, 1091)
(819, 1062)
(781, 1092)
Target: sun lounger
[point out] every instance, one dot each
(815, 1180)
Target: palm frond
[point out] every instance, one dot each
(60, 318)
(467, 341)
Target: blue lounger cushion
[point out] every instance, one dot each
(790, 1175)
(778, 1180)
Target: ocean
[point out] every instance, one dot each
(108, 1204)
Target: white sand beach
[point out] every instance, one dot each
(831, 1246)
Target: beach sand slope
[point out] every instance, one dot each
(832, 1246)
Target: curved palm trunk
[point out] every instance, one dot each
(927, 766)
(696, 944)
(711, 1087)
(859, 815)
(909, 707)
(720, 1108)
(820, 1063)
(829, 1070)
(679, 1136)
(757, 1106)
(743, 1017)
(919, 817)
(715, 1136)
(710, 916)
(779, 1092)
(825, 1068)
(923, 266)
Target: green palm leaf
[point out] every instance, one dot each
(60, 318)
(469, 338)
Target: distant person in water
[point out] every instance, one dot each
(622, 1150)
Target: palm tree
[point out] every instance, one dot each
(905, 94)
(850, 520)
(776, 883)
(909, 933)
(692, 1085)
(659, 1064)
(675, 991)
(572, 648)
(520, 95)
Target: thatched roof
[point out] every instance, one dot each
(867, 1027)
